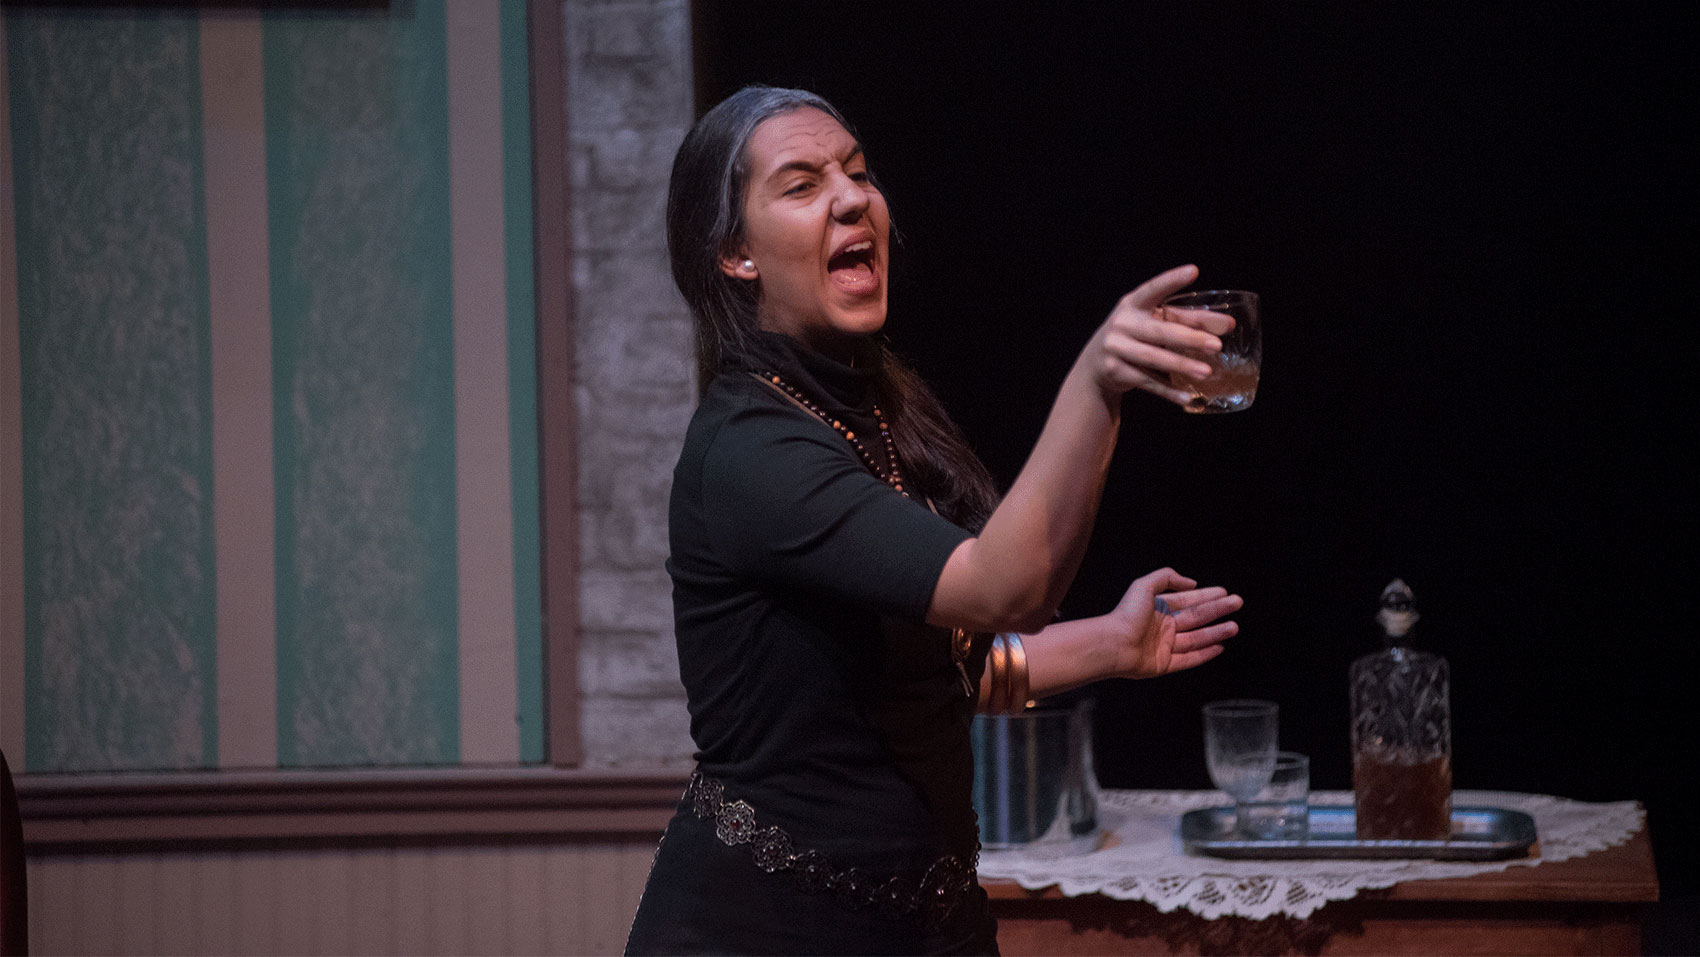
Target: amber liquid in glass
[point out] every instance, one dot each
(1402, 798)
(1231, 386)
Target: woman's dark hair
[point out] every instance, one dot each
(705, 223)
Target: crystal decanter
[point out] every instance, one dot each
(1401, 732)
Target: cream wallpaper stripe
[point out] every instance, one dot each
(489, 732)
(244, 503)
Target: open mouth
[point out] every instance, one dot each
(852, 268)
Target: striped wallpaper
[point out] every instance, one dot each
(269, 427)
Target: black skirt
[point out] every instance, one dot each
(705, 897)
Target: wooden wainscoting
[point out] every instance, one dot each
(539, 898)
(465, 861)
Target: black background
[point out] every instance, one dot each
(1472, 229)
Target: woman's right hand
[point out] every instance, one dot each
(1136, 346)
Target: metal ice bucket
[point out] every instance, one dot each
(1033, 777)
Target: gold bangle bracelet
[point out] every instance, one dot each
(997, 662)
(1018, 686)
(983, 687)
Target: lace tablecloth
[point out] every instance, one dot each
(1139, 855)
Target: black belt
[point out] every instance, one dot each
(932, 898)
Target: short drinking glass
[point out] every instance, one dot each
(1232, 382)
(1239, 748)
(1281, 810)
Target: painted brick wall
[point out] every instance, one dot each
(628, 106)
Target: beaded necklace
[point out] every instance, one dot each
(892, 477)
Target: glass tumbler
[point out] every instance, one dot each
(1232, 383)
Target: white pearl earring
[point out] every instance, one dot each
(749, 265)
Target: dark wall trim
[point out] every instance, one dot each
(115, 812)
(557, 439)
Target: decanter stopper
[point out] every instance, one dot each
(1398, 611)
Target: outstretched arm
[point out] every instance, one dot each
(1152, 631)
(1134, 640)
(1014, 574)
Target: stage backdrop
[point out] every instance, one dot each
(270, 470)
(1469, 225)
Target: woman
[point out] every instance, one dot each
(841, 564)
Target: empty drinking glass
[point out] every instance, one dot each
(1280, 811)
(1239, 748)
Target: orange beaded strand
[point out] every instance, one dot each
(893, 477)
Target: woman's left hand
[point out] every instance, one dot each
(1147, 642)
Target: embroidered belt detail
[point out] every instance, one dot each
(931, 899)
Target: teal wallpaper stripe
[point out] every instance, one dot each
(522, 379)
(114, 340)
(357, 179)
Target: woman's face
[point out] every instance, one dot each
(816, 231)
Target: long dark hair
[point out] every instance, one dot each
(705, 223)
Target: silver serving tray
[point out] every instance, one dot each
(1478, 834)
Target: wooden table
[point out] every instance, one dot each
(1586, 905)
